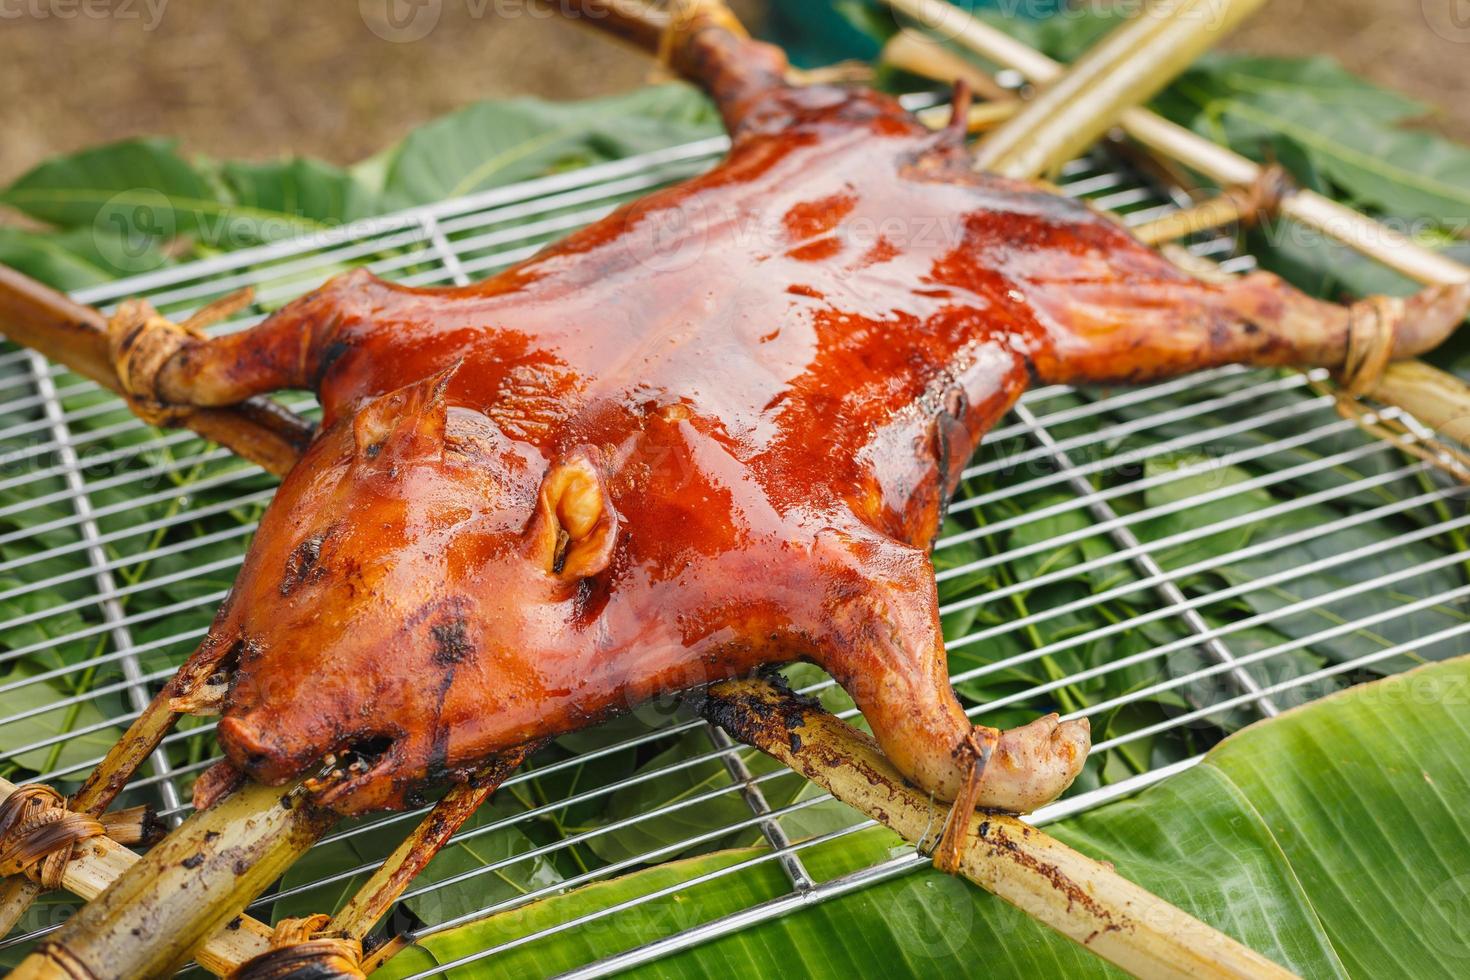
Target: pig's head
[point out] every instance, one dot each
(413, 546)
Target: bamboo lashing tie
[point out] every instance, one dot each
(1370, 349)
(299, 948)
(142, 341)
(1243, 204)
(1371, 329)
(685, 18)
(38, 828)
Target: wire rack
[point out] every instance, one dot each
(1172, 561)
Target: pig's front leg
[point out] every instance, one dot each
(165, 366)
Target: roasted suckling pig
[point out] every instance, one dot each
(715, 431)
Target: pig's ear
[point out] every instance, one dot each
(575, 527)
(407, 423)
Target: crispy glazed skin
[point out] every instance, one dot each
(714, 431)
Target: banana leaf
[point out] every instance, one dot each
(1335, 839)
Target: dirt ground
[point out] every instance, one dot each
(334, 79)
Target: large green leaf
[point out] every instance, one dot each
(1334, 839)
(1321, 121)
(46, 725)
(77, 258)
(143, 186)
(1319, 81)
(316, 192)
(133, 196)
(494, 143)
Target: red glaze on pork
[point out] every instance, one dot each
(714, 431)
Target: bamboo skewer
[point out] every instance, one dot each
(44, 320)
(979, 118)
(1127, 68)
(378, 894)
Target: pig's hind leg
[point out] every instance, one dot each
(883, 643)
(706, 43)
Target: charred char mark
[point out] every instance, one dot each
(451, 642)
(302, 563)
(438, 761)
(329, 356)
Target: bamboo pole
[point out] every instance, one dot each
(978, 118)
(1083, 899)
(922, 56)
(362, 911)
(638, 22)
(1127, 68)
(44, 320)
(105, 782)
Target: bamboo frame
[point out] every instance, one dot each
(70, 334)
(101, 862)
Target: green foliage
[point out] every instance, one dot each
(1348, 130)
(117, 210)
(496, 143)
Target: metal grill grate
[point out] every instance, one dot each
(1173, 562)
